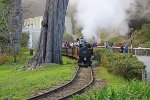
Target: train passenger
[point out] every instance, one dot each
(76, 43)
(71, 44)
(63, 45)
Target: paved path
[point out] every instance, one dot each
(146, 61)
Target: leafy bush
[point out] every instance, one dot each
(23, 57)
(2, 59)
(4, 41)
(132, 91)
(146, 45)
(125, 65)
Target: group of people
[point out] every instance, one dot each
(123, 47)
(77, 43)
(68, 44)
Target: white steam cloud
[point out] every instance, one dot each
(96, 16)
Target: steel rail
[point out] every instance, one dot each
(64, 86)
(80, 90)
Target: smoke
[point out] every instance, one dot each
(110, 16)
(141, 10)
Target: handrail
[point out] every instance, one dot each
(119, 47)
(134, 51)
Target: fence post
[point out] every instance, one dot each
(72, 52)
(143, 75)
(135, 52)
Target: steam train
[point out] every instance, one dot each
(82, 52)
(85, 53)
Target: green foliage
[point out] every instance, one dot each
(146, 45)
(146, 31)
(125, 65)
(4, 43)
(142, 35)
(5, 11)
(3, 59)
(132, 91)
(78, 31)
(118, 40)
(67, 38)
(103, 37)
(4, 40)
(19, 85)
(6, 1)
(22, 57)
(25, 40)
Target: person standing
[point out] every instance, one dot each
(121, 48)
(94, 44)
(126, 48)
(106, 44)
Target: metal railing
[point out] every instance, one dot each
(134, 51)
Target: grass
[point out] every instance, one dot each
(19, 85)
(113, 81)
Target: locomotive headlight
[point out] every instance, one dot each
(85, 52)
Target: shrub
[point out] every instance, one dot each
(146, 44)
(125, 65)
(4, 42)
(2, 59)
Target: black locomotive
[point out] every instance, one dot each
(85, 53)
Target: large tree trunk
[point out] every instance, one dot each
(50, 46)
(17, 25)
(18, 14)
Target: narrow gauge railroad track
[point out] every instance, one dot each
(82, 79)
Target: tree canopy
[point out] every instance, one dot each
(5, 9)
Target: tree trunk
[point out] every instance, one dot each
(16, 24)
(50, 46)
(18, 13)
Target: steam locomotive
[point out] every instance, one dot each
(85, 53)
(82, 50)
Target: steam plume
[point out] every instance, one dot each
(111, 16)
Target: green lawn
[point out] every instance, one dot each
(18, 85)
(113, 81)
